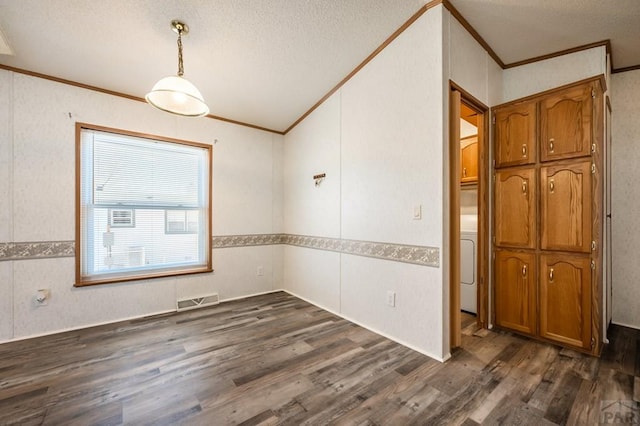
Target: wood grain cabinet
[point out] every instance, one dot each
(515, 134)
(565, 214)
(565, 299)
(547, 210)
(515, 208)
(515, 291)
(565, 124)
(469, 160)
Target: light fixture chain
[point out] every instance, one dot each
(180, 65)
(176, 94)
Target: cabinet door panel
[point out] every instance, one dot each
(515, 291)
(565, 299)
(515, 135)
(566, 207)
(515, 208)
(469, 160)
(565, 124)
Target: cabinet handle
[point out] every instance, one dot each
(550, 275)
(524, 149)
(464, 172)
(551, 141)
(552, 185)
(524, 186)
(524, 270)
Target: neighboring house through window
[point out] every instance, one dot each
(181, 222)
(144, 206)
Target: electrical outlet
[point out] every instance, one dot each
(391, 298)
(259, 271)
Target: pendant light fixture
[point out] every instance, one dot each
(176, 94)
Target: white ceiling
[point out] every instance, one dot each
(266, 62)
(518, 30)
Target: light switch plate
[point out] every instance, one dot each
(417, 212)
(391, 298)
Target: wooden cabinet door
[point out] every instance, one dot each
(469, 160)
(565, 299)
(565, 124)
(565, 217)
(515, 291)
(515, 135)
(515, 208)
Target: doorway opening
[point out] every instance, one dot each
(469, 212)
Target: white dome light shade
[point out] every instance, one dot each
(177, 95)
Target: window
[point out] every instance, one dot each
(181, 222)
(144, 206)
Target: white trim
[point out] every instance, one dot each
(262, 293)
(65, 330)
(383, 334)
(410, 346)
(635, 327)
(97, 324)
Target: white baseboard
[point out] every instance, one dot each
(97, 324)
(381, 333)
(262, 293)
(635, 327)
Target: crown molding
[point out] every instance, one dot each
(625, 69)
(122, 95)
(605, 43)
(368, 59)
(431, 4)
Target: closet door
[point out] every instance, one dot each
(566, 202)
(515, 208)
(515, 291)
(565, 299)
(515, 134)
(565, 124)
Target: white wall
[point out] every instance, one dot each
(625, 147)
(379, 140)
(311, 148)
(539, 76)
(391, 156)
(37, 193)
(469, 65)
(382, 141)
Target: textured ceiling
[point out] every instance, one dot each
(266, 62)
(518, 30)
(263, 62)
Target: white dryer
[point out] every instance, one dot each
(468, 271)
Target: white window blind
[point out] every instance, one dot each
(154, 180)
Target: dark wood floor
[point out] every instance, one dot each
(275, 359)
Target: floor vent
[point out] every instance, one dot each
(198, 302)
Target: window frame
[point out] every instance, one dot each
(82, 280)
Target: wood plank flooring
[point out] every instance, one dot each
(277, 360)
